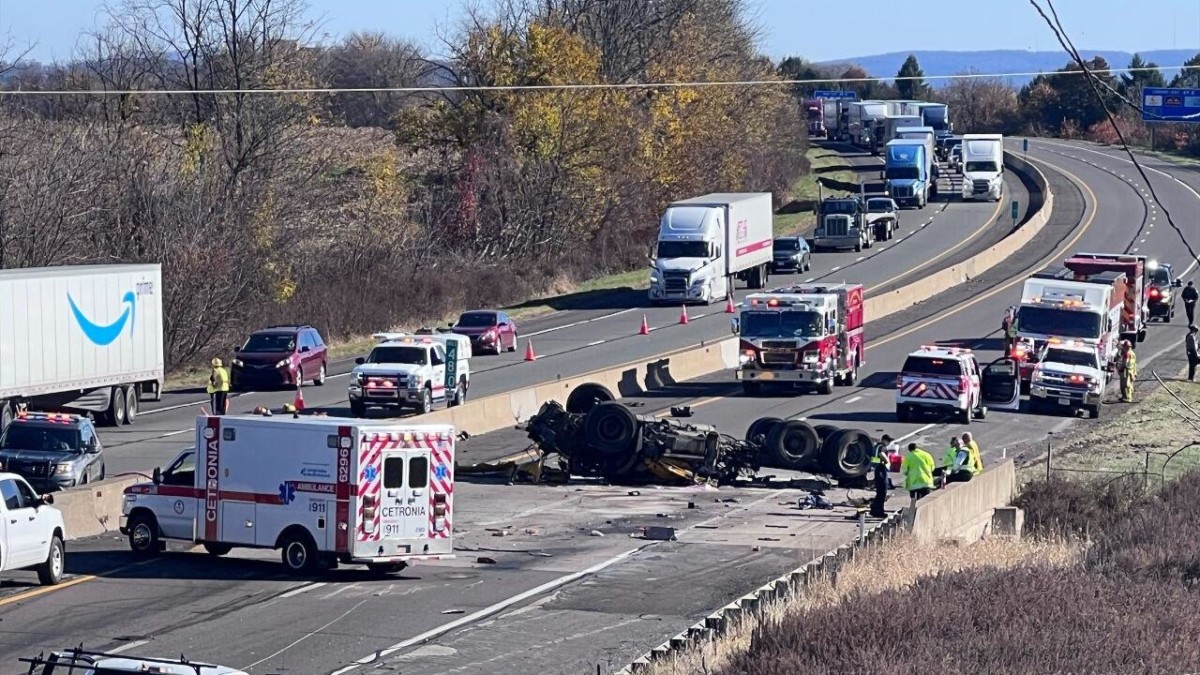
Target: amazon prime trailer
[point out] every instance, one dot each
(81, 339)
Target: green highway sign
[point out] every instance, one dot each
(1016, 207)
(452, 366)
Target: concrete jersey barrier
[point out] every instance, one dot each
(963, 511)
(93, 509)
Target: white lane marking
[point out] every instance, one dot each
(486, 611)
(907, 436)
(1135, 250)
(599, 342)
(852, 399)
(1142, 240)
(834, 269)
(861, 257)
(809, 280)
(309, 634)
(176, 433)
(580, 323)
(127, 646)
(303, 589)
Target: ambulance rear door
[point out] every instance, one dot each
(404, 498)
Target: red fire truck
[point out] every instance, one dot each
(1084, 266)
(808, 335)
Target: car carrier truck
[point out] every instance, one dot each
(85, 338)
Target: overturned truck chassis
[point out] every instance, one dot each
(595, 436)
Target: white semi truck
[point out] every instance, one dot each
(85, 338)
(706, 242)
(983, 166)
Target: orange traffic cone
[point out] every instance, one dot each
(729, 306)
(645, 327)
(683, 317)
(299, 402)
(529, 355)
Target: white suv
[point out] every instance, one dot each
(940, 380)
(411, 371)
(33, 533)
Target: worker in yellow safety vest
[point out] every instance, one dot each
(879, 469)
(976, 458)
(1127, 368)
(917, 468)
(218, 388)
(957, 466)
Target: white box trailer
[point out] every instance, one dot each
(704, 243)
(85, 338)
(322, 490)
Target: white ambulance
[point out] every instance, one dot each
(322, 490)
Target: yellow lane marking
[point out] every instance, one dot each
(33, 593)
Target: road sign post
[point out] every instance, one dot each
(1025, 147)
(1016, 208)
(1170, 104)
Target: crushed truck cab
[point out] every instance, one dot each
(808, 335)
(322, 490)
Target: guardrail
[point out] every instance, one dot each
(95, 509)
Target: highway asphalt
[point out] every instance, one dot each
(574, 342)
(557, 598)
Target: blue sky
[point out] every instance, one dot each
(818, 30)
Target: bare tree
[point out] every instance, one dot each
(371, 60)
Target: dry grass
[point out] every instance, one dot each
(825, 164)
(893, 567)
(1120, 445)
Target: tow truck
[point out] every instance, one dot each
(411, 370)
(1069, 374)
(808, 335)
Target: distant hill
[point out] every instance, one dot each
(1005, 61)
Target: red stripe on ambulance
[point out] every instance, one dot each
(342, 490)
(212, 478)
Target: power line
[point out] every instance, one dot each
(556, 87)
(1056, 27)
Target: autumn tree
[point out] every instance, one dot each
(910, 80)
(981, 105)
(1051, 101)
(860, 82)
(797, 68)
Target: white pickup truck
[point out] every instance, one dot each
(407, 370)
(1068, 375)
(31, 531)
(83, 662)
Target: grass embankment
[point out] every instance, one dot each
(1120, 445)
(826, 164)
(1108, 567)
(837, 177)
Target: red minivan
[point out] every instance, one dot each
(279, 356)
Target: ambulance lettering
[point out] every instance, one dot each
(212, 476)
(403, 511)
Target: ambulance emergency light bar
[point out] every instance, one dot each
(780, 302)
(947, 349)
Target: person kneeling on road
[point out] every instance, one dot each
(958, 467)
(917, 468)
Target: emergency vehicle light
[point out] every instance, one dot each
(344, 441)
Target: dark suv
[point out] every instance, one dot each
(279, 356)
(52, 451)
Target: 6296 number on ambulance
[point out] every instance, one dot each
(322, 490)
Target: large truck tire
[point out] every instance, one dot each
(611, 429)
(6, 415)
(587, 396)
(847, 454)
(792, 445)
(761, 427)
(132, 397)
(114, 416)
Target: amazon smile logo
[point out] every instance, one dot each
(101, 334)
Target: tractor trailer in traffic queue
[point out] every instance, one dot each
(908, 172)
(85, 338)
(937, 117)
(814, 111)
(706, 242)
(836, 117)
(1055, 306)
(862, 118)
(1134, 309)
(893, 125)
(807, 335)
(983, 166)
